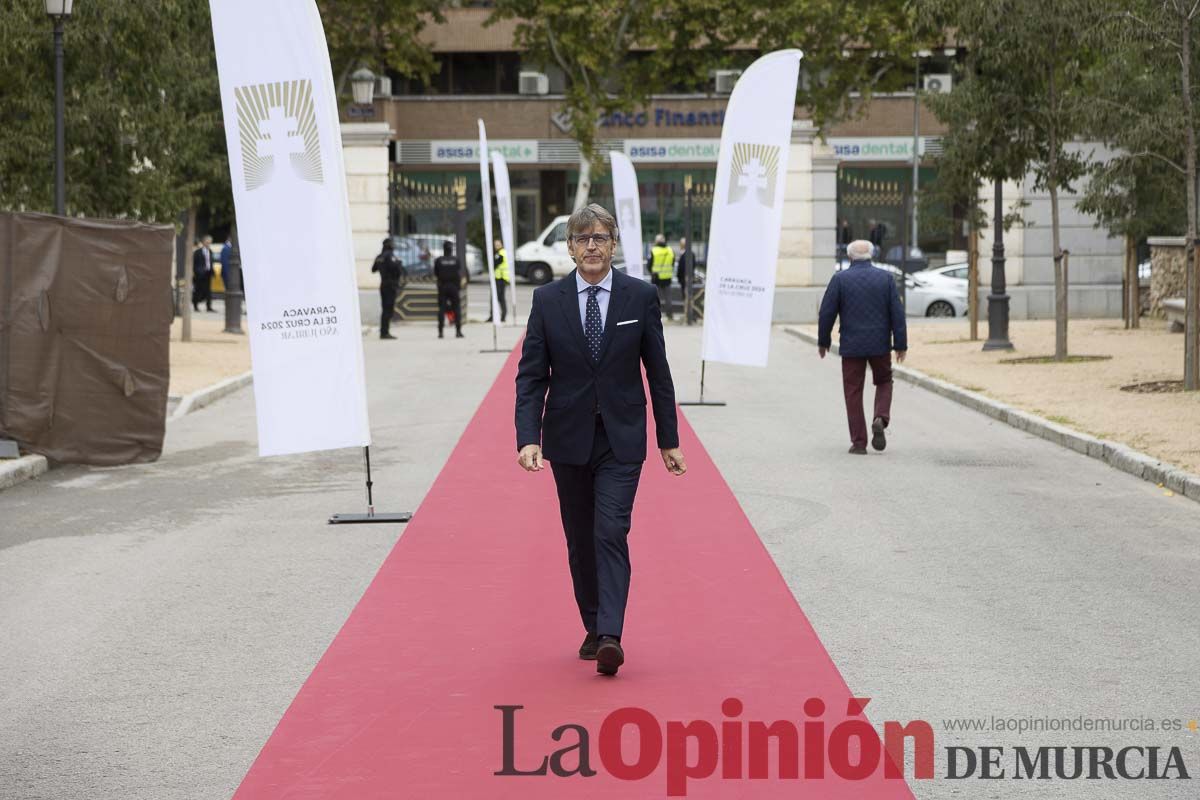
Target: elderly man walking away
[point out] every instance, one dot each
(873, 324)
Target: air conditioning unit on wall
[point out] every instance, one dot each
(724, 79)
(533, 83)
(940, 83)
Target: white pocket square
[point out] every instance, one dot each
(626, 322)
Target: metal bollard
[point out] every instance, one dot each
(233, 292)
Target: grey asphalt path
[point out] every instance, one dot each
(158, 619)
(969, 570)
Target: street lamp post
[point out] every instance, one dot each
(998, 299)
(59, 11)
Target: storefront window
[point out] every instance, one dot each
(878, 199)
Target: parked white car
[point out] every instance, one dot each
(929, 293)
(546, 257)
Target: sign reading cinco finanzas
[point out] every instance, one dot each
(526, 151)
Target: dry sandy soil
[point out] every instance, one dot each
(1086, 395)
(210, 356)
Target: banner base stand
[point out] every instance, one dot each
(701, 401)
(370, 516)
(495, 344)
(357, 519)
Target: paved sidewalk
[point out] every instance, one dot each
(1085, 396)
(160, 618)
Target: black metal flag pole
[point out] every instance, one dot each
(370, 516)
(702, 401)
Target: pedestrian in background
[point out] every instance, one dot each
(449, 275)
(685, 265)
(845, 237)
(877, 235)
(202, 272)
(661, 265)
(390, 270)
(867, 302)
(502, 280)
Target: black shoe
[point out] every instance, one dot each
(587, 650)
(459, 335)
(386, 336)
(858, 451)
(441, 335)
(878, 440)
(210, 310)
(609, 656)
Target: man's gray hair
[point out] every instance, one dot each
(589, 215)
(860, 250)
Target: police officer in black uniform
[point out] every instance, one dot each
(448, 273)
(390, 270)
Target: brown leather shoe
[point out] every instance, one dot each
(587, 650)
(609, 657)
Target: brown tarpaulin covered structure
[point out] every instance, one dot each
(85, 321)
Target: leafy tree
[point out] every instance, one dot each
(379, 34)
(1022, 101)
(616, 53)
(142, 110)
(1145, 106)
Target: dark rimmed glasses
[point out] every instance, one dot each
(600, 239)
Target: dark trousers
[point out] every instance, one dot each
(854, 375)
(596, 502)
(501, 291)
(664, 296)
(387, 301)
(449, 300)
(202, 290)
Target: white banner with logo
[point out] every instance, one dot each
(486, 183)
(293, 213)
(743, 244)
(504, 208)
(629, 213)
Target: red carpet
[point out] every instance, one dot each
(473, 609)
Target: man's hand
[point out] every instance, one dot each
(900, 354)
(821, 351)
(673, 459)
(530, 458)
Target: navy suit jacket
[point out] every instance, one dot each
(560, 387)
(868, 303)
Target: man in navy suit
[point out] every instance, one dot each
(581, 406)
(873, 324)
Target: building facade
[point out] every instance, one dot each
(857, 174)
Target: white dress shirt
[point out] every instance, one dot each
(601, 297)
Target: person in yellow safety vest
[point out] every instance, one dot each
(502, 279)
(661, 265)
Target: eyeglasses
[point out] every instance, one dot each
(600, 239)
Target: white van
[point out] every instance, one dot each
(546, 257)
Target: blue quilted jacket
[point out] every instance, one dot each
(869, 306)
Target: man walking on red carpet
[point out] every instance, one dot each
(873, 325)
(582, 407)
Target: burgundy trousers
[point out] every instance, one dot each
(854, 375)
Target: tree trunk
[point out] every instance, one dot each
(973, 281)
(1191, 363)
(1133, 293)
(585, 183)
(1060, 280)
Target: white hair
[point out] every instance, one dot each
(860, 250)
